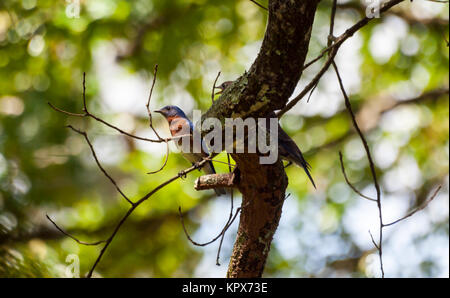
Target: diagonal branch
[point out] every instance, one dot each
(183, 173)
(225, 228)
(89, 114)
(423, 206)
(263, 7)
(371, 163)
(332, 49)
(349, 183)
(84, 134)
(212, 181)
(73, 237)
(214, 87)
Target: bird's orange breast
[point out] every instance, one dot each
(176, 125)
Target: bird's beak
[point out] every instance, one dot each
(218, 92)
(160, 112)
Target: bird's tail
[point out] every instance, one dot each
(307, 168)
(208, 168)
(301, 162)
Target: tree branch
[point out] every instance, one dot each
(214, 181)
(332, 49)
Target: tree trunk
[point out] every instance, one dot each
(266, 87)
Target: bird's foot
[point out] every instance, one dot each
(182, 174)
(197, 165)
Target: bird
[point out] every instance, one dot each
(287, 148)
(223, 86)
(179, 125)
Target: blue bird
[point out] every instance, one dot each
(179, 125)
(287, 148)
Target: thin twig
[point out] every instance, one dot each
(221, 235)
(332, 49)
(231, 214)
(115, 127)
(84, 94)
(214, 87)
(433, 94)
(205, 243)
(349, 183)
(423, 206)
(65, 112)
(329, 43)
(134, 205)
(73, 237)
(311, 85)
(225, 230)
(363, 140)
(222, 162)
(371, 164)
(88, 114)
(140, 201)
(98, 162)
(150, 118)
(265, 8)
(165, 161)
(373, 241)
(155, 71)
(332, 17)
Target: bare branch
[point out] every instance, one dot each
(229, 179)
(311, 85)
(84, 94)
(65, 112)
(214, 87)
(423, 206)
(332, 17)
(165, 160)
(73, 237)
(98, 162)
(231, 212)
(214, 181)
(225, 163)
(155, 71)
(349, 183)
(332, 49)
(183, 173)
(371, 163)
(373, 241)
(88, 114)
(265, 8)
(230, 222)
(215, 238)
(433, 94)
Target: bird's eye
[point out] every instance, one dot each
(169, 108)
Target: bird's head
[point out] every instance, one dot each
(170, 112)
(223, 86)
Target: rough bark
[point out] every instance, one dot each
(265, 88)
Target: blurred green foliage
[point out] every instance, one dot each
(45, 47)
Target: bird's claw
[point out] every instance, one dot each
(182, 175)
(196, 165)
